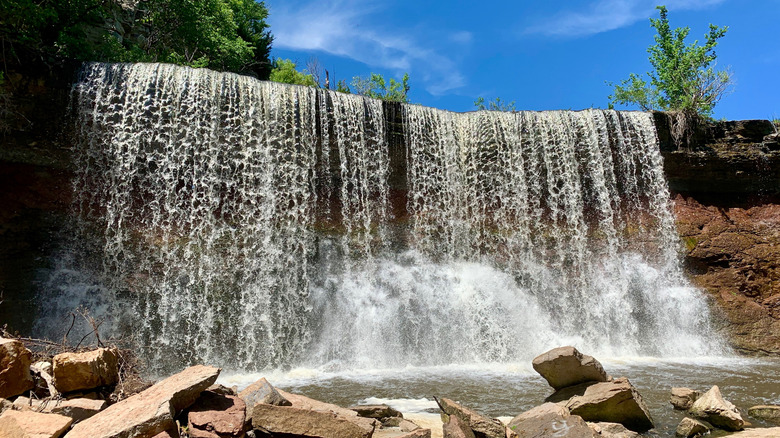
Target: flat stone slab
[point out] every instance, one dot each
(550, 420)
(566, 366)
(376, 411)
(766, 412)
(151, 411)
(306, 403)
(28, 424)
(769, 432)
(288, 420)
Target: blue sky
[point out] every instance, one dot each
(541, 54)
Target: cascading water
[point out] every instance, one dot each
(248, 224)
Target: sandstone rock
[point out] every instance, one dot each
(766, 412)
(262, 392)
(399, 422)
(78, 409)
(15, 377)
(28, 424)
(612, 430)
(689, 428)
(712, 408)
(454, 427)
(481, 425)
(302, 402)
(5, 405)
(222, 389)
(549, 419)
(149, 412)
(77, 371)
(770, 432)
(217, 416)
(376, 411)
(565, 366)
(616, 401)
(288, 420)
(417, 433)
(683, 398)
(173, 433)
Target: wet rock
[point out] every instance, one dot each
(288, 420)
(714, 409)
(689, 428)
(28, 424)
(217, 416)
(766, 412)
(612, 430)
(262, 392)
(454, 427)
(306, 403)
(376, 411)
(549, 419)
(15, 377)
(616, 401)
(566, 366)
(151, 411)
(92, 369)
(481, 425)
(683, 398)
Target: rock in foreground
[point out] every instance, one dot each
(288, 420)
(15, 362)
(262, 392)
(481, 425)
(683, 398)
(28, 424)
(712, 408)
(689, 428)
(612, 430)
(88, 370)
(566, 366)
(550, 420)
(217, 416)
(766, 412)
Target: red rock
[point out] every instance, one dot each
(92, 369)
(481, 425)
(301, 402)
(288, 420)
(217, 416)
(28, 424)
(454, 427)
(15, 377)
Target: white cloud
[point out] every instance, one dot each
(345, 28)
(606, 15)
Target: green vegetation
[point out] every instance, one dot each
(285, 71)
(495, 105)
(377, 87)
(683, 77)
(226, 35)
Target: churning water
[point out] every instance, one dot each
(251, 225)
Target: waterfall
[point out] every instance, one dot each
(248, 224)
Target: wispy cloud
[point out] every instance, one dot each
(606, 15)
(347, 28)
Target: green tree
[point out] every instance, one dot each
(377, 87)
(285, 71)
(495, 105)
(683, 76)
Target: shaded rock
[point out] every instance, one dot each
(612, 430)
(683, 398)
(376, 411)
(417, 433)
(78, 408)
(549, 419)
(481, 425)
(217, 416)
(302, 402)
(402, 423)
(28, 424)
(565, 366)
(454, 427)
(222, 389)
(769, 432)
(766, 412)
(23, 403)
(173, 433)
(689, 428)
(149, 412)
(15, 377)
(5, 405)
(712, 408)
(288, 420)
(262, 392)
(92, 369)
(616, 401)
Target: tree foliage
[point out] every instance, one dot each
(683, 76)
(223, 35)
(285, 71)
(377, 87)
(495, 105)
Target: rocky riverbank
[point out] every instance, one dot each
(76, 394)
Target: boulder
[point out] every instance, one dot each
(217, 416)
(689, 428)
(288, 420)
(616, 401)
(222, 389)
(612, 430)
(454, 427)
(769, 432)
(549, 419)
(766, 412)
(91, 369)
(78, 409)
(481, 425)
(712, 408)
(302, 402)
(565, 366)
(151, 411)
(15, 377)
(683, 398)
(376, 411)
(262, 392)
(28, 424)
